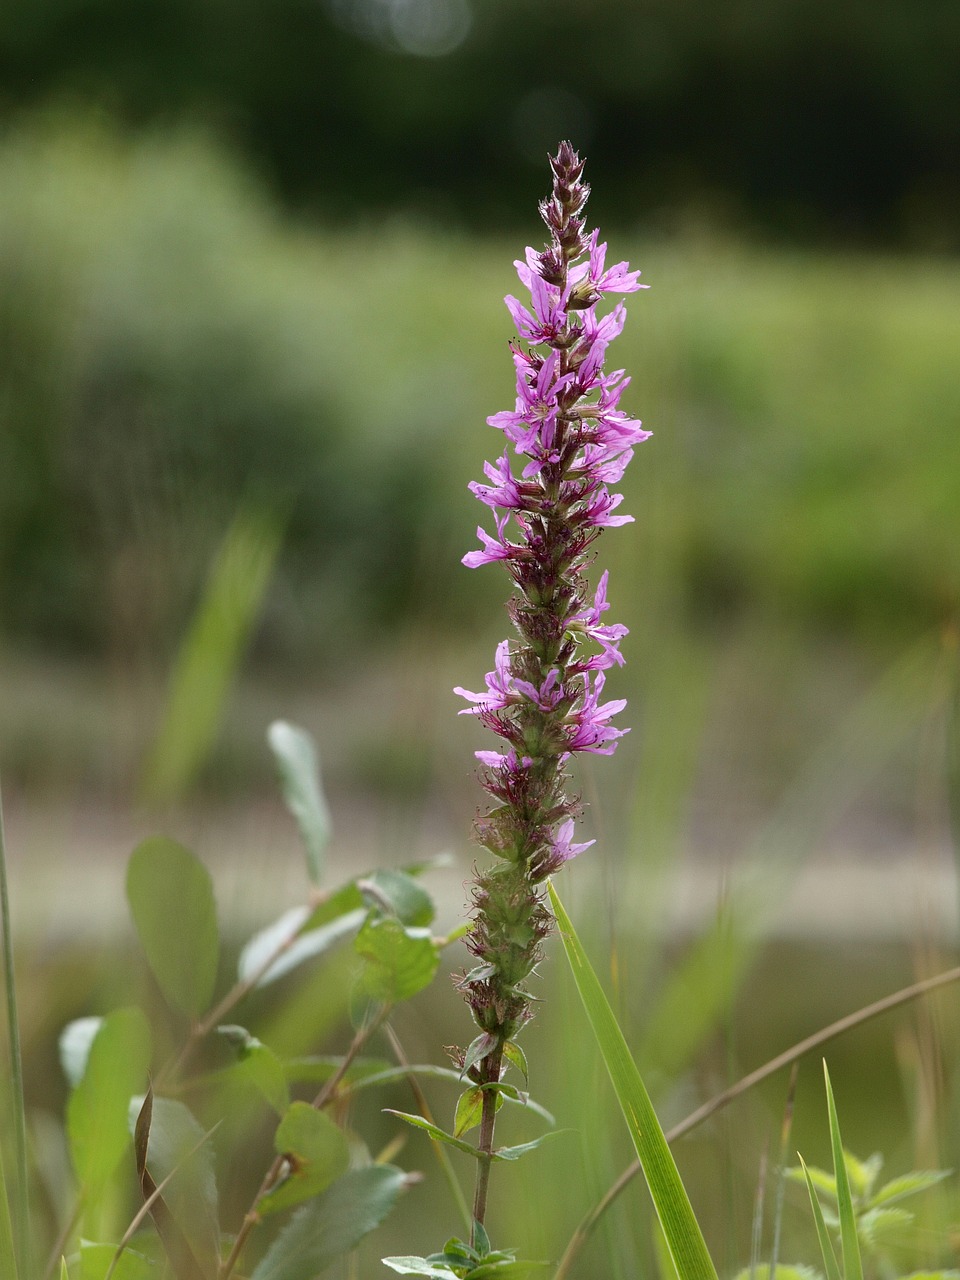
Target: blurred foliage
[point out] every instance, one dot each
(809, 119)
(170, 350)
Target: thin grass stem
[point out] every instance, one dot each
(799, 1050)
(21, 1212)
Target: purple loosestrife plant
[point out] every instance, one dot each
(544, 698)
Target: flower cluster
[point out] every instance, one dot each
(572, 439)
(544, 697)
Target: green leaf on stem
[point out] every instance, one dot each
(318, 1154)
(680, 1227)
(295, 938)
(298, 764)
(171, 899)
(397, 893)
(469, 1111)
(210, 655)
(909, 1184)
(400, 961)
(116, 1067)
(259, 1065)
(517, 1058)
(332, 1224)
(96, 1260)
(435, 1132)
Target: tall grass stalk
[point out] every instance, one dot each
(21, 1211)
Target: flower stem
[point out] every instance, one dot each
(491, 1072)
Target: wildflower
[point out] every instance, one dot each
(543, 698)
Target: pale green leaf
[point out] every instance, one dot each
(74, 1046)
(823, 1235)
(318, 1152)
(883, 1224)
(210, 655)
(411, 1266)
(435, 1132)
(862, 1174)
(294, 938)
(260, 1066)
(332, 1224)
(517, 1058)
(299, 767)
(469, 1111)
(97, 1110)
(680, 1227)
(399, 894)
(908, 1184)
(171, 898)
(95, 1260)
(400, 961)
(849, 1241)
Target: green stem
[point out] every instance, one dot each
(277, 1169)
(491, 1071)
(22, 1207)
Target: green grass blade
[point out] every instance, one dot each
(852, 1266)
(680, 1227)
(21, 1211)
(210, 654)
(823, 1235)
(8, 1254)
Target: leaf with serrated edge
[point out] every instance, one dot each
(296, 756)
(909, 1184)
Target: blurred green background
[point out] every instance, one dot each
(252, 260)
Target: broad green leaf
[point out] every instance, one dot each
(909, 1184)
(396, 893)
(74, 1046)
(171, 898)
(260, 1066)
(517, 1058)
(8, 1256)
(333, 1224)
(469, 1111)
(298, 764)
(508, 1269)
(680, 1227)
(95, 1260)
(295, 938)
(210, 655)
(319, 1155)
(400, 961)
(849, 1242)
(823, 1235)
(175, 1145)
(97, 1110)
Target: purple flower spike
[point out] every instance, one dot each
(543, 699)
